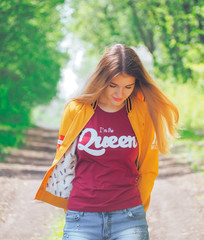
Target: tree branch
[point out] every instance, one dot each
(137, 21)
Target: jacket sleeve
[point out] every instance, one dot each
(148, 163)
(66, 120)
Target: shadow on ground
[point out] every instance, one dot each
(171, 167)
(34, 158)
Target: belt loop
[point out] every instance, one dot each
(125, 210)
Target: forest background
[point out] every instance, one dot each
(39, 39)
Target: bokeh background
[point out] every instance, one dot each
(49, 48)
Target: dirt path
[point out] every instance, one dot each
(21, 217)
(176, 211)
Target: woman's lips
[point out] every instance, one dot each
(117, 99)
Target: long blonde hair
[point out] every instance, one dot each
(120, 59)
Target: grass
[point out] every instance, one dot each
(57, 228)
(190, 135)
(190, 148)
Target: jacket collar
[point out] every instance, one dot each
(94, 105)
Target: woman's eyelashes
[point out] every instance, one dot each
(127, 87)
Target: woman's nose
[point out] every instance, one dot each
(119, 92)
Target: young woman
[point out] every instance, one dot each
(107, 157)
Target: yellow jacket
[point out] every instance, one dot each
(56, 185)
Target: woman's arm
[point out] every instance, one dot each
(148, 163)
(67, 118)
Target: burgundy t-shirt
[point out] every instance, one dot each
(106, 173)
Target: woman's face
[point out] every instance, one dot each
(114, 96)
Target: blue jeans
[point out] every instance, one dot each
(126, 224)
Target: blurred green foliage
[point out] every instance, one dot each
(171, 30)
(190, 151)
(30, 61)
(30, 64)
(10, 137)
(190, 101)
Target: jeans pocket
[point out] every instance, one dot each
(136, 213)
(73, 216)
